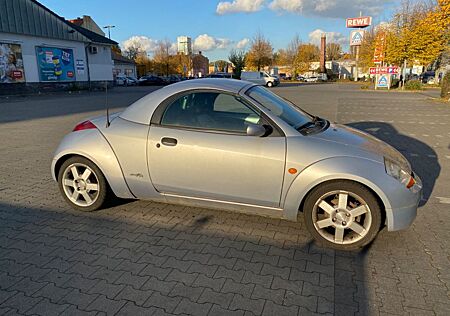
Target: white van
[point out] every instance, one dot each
(260, 77)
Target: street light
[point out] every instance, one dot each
(109, 27)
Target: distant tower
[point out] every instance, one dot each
(323, 53)
(184, 45)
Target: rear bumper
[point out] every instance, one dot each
(403, 217)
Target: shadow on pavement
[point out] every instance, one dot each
(60, 104)
(423, 158)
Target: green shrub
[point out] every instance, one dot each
(445, 86)
(413, 85)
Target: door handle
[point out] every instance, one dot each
(169, 141)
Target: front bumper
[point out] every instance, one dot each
(403, 217)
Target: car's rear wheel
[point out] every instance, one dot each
(343, 215)
(82, 184)
(270, 84)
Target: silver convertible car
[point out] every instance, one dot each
(234, 145)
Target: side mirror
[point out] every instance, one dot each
(256, 130)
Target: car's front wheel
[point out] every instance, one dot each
(343, 215)
(82, 184)
(270, 84)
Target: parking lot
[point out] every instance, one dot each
(145, 258)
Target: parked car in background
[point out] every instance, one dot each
(312, 79)
(132, 81)
(234, 145)
(261, 78)
(172, 79)
(428, 77)
(151, 81)
(122, 80)
(300, 78)
(225, 75)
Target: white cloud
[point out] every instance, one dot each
(332, 37)
(147, 44)
(242, 43)
(206, 42)
(330, 8)
(235, 6)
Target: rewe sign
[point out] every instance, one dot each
(363, 21)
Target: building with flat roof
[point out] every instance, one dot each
(40, 51)
(184, 45)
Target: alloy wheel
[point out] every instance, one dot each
(342, 217)
(80, 184)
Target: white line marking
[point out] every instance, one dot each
(443, 200)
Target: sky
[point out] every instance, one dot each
(216, 26)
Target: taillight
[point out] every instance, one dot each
(84, 125)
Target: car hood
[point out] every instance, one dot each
(353, 138)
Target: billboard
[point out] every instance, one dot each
(356, 37)
(11, 63)
(55, 64)
(363, 21)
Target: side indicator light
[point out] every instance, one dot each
(292, 170)
(411, 182)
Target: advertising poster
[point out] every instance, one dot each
(11, 63)
(55, 64)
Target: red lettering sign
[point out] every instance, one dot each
(70, 74)
(392, 70)
(363, 21)
(17, 74)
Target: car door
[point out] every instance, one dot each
(199, 148)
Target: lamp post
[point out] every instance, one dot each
(109, 27)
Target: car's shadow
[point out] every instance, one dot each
(423, 158)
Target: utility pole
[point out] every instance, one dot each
(109, 27)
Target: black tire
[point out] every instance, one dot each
(270, 84)
(373, 216)
(103, 194)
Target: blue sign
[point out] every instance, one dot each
(55, 64)
(383, 81)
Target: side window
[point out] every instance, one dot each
(212, 111)
(261, 75)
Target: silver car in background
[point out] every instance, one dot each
(234, 145)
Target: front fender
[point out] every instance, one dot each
(367, 172)
(92, 145)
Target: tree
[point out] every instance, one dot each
(134, 49)
(260, 54)
(307, 53)
(162, 58)
(237, 58)
(222, 65)
(334, 51)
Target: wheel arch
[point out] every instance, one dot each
(351, 169)
(91, 145)
(377, 197)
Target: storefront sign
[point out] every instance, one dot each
(11, 63)
(55, 64)
(356, 37)
(383, 81)
(360, 22)
(80, 66)
(393, 70)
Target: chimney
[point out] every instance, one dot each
(323, 52)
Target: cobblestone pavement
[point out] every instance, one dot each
(144, 258)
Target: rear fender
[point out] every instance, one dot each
(92, 145)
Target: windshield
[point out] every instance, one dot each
(279, 106)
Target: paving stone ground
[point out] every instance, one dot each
(146, 258)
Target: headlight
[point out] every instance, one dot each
(399, 173)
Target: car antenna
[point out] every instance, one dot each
(107, 107)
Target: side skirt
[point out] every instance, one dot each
(225, 205)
